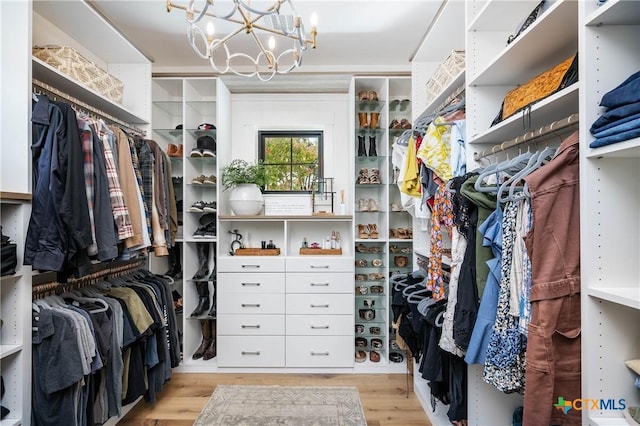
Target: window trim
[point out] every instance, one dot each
(319, 134)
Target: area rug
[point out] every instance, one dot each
(232, 405)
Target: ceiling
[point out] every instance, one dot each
(355, 37)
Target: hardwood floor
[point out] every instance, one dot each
(384, 397)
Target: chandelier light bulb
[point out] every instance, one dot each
(314, 19)
(210, 30)
(272, 43)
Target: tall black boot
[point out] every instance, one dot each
(177, 270)
(211, 351)
(212, 312)
(205, 325)
(362, 150)
(372, 146)
(203, 298)
(203, 261)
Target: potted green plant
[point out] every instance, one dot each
(245, 181)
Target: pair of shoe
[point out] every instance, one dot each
(204, 180)
(396, 249)
(368, 231)
(175, 150)
(367, 205)
(402, 124)
(401, 233)
(366, 178)
(205, 147)
(369, 120)
(362, 146)
(203, 207)
(361, 248)
(367, 95)
(395, 207)
(398, 104)
(207, 228)
(207, 348)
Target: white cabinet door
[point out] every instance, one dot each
(314, 351)
(251, 351)
(233, 282)
(320, 325)
(237, 303)
(319, 304)
(322, 264)
(249, 264)
(250, 325)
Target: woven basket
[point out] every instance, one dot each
(70, 62)
(445, 73)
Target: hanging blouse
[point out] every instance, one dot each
(411, 177)
(441, 221)
(435, 150)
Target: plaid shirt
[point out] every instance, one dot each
(120, 212)
(136, 169)
(86, 136)
(146, 159)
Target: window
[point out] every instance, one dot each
(293, 159)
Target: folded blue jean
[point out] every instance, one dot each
(619, 128)
(618, 137)
(612, 116)
(627, 92)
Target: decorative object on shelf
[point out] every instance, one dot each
(236, 243)
(73, 64)
(257, 252)
(322, 196)
(245, 180)
(264, 62)
(531, 18)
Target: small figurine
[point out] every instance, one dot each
(271, 245)
(305, 244)
(236, 243)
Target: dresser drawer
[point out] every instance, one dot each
(233, 282)
(320, 325)
(251, 351)
(250, 325)
(331, 282)
(250, 264)
(238, 303)
(320, 264)
(324, 351)
(317, 304)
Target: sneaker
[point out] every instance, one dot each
(208, 153)
(197, 207)
(210, 233)
(198, 180)
(210, 207)
(210, 180)
(200, 233)
(196, 152)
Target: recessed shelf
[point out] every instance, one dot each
(170, 107)
(170, 134)
(624, 296)
(7, 350)
(615, 12)
(625, 149)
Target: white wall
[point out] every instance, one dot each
(251, 113)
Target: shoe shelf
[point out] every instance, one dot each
(366, 131)
(173, 108)
(370, 106)
(196, 133)
(172, 135)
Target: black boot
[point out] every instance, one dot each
(175, 265)
(372, 146)
(203, 298)
(203, 261)
(206, 339)
(212, 312)
(362, 150)
(211, 351)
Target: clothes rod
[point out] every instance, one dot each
(84, 106)
(564, 123)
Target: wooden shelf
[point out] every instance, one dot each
(14, 196)
(279, 218)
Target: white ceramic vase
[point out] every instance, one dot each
(246, 199)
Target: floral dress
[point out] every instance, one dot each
(441, 221)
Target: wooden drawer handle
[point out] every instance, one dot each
(319, 284)
(250, 266)
(319, 353)
(320, 267)
(250, 305)
(250, 326)
(319, 306)
(251, 284)
(250, 352)
(319, 327)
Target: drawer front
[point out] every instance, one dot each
(238, 303)
(325, 351)
(306, 282)
(233, 282)
(319, 304)
(250, 264)
(251, 351)
(250, 325)
(320, 264)
(320, 325)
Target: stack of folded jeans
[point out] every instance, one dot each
(621, 121)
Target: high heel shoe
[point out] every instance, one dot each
(363, 95)
(373, 230)
(373, 96)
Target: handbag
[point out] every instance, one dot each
(535, 14)
(543, 85)
(8, 255)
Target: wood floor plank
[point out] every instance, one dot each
(384, 397)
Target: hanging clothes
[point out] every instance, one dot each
(441, 223)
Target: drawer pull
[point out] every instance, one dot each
(250, 305)
(251, 284)
(250, 266)
(319, 284)
(250, 352)
(320, 306)
(250, 326)
(319, 353)
(319, 327)
(320, 267)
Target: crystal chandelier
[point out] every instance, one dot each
(279, 19)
